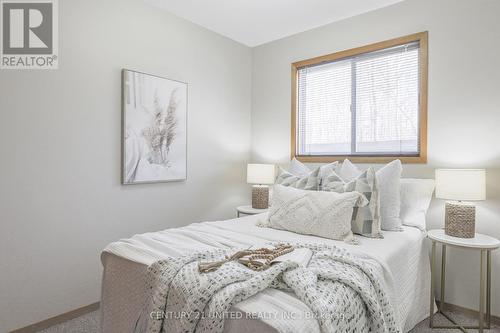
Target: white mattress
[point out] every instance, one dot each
(402, 255)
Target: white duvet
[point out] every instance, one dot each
(402, 255)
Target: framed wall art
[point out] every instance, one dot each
(154, 129)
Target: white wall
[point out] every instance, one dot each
(464, 104)
(61, 200)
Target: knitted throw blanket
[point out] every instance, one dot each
(343, 291)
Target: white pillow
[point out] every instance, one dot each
(388, 179)
(348, 171)
(297, 168)
(416, 195)
(324, 214)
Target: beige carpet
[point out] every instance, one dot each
(89, 323)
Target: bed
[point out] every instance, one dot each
(403, 257)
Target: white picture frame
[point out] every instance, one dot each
(154, 129)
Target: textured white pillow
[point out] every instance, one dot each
(325, 214)
(416, 195)
(388, 179)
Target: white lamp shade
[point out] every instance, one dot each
(260, 174)
(461, 184)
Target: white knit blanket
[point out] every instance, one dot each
(344, 292)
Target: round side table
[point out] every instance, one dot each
(248, 210)
(482, 243)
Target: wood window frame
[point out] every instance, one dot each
(422, 38)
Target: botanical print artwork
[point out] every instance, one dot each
(154, 128)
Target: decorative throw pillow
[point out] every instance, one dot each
(309, 182)
(327, 169)
(388, 179)
(325, 214)
(348, 171)
(416, 195)
(297, 168)
(365, 219)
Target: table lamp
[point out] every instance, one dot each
(261, 175)
(460, 185)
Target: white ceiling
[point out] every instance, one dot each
(255, 22)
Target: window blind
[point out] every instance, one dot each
(367, 104)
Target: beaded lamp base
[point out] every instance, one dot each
(460, 219)
(260, 196)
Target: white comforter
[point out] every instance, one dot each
(402, 255)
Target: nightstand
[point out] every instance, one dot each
(248, 210)
(482, 243)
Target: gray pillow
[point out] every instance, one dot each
(309, 182)
(388, 183)
(365, 220)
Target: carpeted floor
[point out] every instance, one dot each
(89, 323)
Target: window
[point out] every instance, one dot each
(368, 104)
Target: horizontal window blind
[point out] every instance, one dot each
(362, 105)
